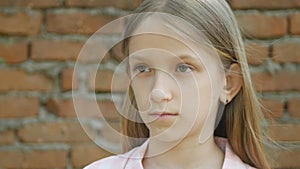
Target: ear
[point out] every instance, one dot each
(234, 81)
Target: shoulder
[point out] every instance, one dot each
(109, 162)
(233, 161)
(116, 161)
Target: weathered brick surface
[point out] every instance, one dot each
(43, 50)
(285, 157)
(295, 23)
(265, 82)
(287, 52)
(69, 79)
(15, 52)
(20, 23)
(266, 4)
(76, 23)
(294, 107)
(262, 25)
(52, 132)
(19, 80)
(273, 108)
(33, 159)
(86, 108)
(18, 107)
(284, 132)
(7, 137)
(30, 3)
(128, 4)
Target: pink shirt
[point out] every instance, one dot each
(133, 158)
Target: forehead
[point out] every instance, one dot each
(164, 35)
(168, 33)
(152, 34)
(157, 42)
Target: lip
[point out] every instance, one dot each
(163, 114)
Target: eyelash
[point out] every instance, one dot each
(191, 68)
(145, 69)
(136, 69)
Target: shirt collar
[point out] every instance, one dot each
(231, 160)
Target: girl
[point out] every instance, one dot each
(178, 93)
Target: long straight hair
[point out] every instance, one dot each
(242, 115)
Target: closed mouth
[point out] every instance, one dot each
(161, 114)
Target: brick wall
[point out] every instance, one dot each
(39, 44)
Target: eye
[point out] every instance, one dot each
(142, 68)
(185, 68)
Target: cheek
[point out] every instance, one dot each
(196, 94)
(141, 94)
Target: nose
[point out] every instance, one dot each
(161, 91)
(159, 95)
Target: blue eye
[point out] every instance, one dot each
(184, 68)
(142, 68)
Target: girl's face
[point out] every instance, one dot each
(176, 86)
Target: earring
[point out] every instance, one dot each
(226, 100)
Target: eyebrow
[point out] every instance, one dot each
(188, 58)
(185, 58)
(182, 57)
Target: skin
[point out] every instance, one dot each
(167, 78)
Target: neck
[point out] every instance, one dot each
(188, 153)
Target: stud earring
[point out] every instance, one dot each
(226, 100)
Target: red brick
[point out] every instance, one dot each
(285, 156)
(281, 81)
(62, 50)
(62, 108)
(52, 132)
(102, 81)
(262, 26)
(20, 80)
(18, 107)
(273, 108)
(265, 4)
(20, 23)
(295, 23)
(67, 79)
(294, 107)
(14, 52)
(128, 4)
(31, 3)
(55, 50)
(284, 132)
(256, 53)
(85, 154)
(38, 159)
(33, 159)
(76, 23)
(7, 137)
(11, 159)
(65, 108)
(287, 52)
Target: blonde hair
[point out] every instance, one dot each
(243, 112)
